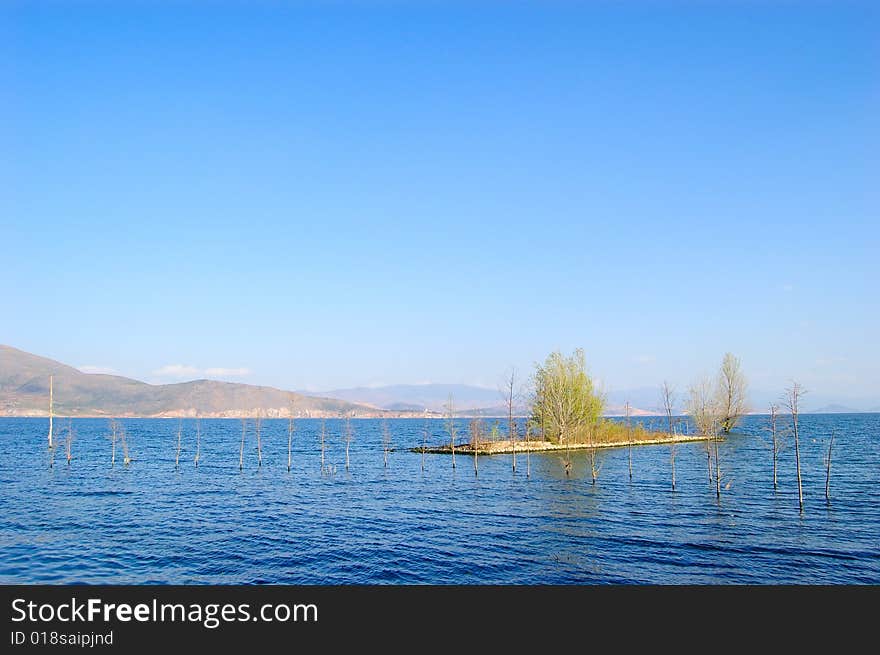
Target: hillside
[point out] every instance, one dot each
(24, 391)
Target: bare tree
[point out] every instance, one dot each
(198, 456)
(424, 443)
(541, 420)
(69, 441)
(528, 438)
(703, 410)
(627, 412)
(450, 425)
(774, 436)
(386, 441)
(258, 428)
(323, 437)
(476, 427)
(508, 393)
(241, 448)
(290, 436)
(828, 469)
(126, 458)
(715, 440)
(179, 437)
(594, 466)
(567, 461)
(667, 396)
(349, 437)
(793, 395)
(731, 391)
(114, 436)
(51, 409)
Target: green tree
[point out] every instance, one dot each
(567, 403)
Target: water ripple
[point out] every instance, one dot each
(151, 524)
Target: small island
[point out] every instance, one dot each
(566, 413)
(508, 446)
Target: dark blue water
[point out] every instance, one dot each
(149, 524)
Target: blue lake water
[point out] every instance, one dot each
(90, 523)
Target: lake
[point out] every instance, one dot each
(147, 523)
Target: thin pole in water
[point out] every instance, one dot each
(828, 469)
(424, 444)
(289, 439)
(177, 456)
(241, 449)
(51, 407)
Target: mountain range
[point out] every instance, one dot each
(24, 391)
(419, 397)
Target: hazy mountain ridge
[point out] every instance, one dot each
(644, 401)
(468, 400)
(835, 408)
(24, 391)
(419, 397)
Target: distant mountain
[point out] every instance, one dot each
(834, 408)
(418, 397)
(646, 402)
(471, 400)
(24, 391)
(643, 401)
(481, 401)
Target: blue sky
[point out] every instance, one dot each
(320, 195)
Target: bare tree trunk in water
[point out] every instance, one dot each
(198, 441)
(828, 469)
(177, 454)
(241, 448)
(349, 435)
(51, 408)
(792, 401)
(627, 410)
(386, 441)
(594, 470)
(114, 435)
(709, 459)
(126, 459)
(258, 424)
(290, 438)
(476, 464)
(667, 395)
(717, 464)
(509, 393)
(450, 425)
(424, 443)
(69, 440)
(774, 411)
(476, 435)
(323, 435)
(528, 451)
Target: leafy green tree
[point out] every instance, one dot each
(567, 403)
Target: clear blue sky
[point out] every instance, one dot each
(330, 195)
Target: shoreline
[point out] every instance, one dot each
(506, 448)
